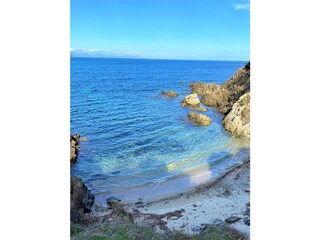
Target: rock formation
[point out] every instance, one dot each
(238, 119)
(170, 94)
(74, 147)
(222, 97)
(199, 119)
(191, 100)
(202, 109)
(81, 200)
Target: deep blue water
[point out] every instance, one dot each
(135, 137)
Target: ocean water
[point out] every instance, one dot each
(138, 140)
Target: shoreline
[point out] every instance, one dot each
(209, 203)
(188, 182)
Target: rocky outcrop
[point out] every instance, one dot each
(199, 119)
(238, 119)
(203, 88)
(81, 200)
(202, 109)
(170, 94)
(222, 97)
(191, 100)
(74, 147)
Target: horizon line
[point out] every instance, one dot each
(174, 59)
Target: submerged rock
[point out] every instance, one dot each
(170, 94)
(238, 119)
(202, 109)
(81, 199)
(83, 139)
(199, 119)
(191, 100)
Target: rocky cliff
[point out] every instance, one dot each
(238, 119)
(81, 199)
(222, 97)
(231, 99)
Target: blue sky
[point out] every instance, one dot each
(164, 29)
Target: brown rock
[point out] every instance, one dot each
(238, 120)
(199, 119)
(222, 97)
(191, 100)
(202, 109)
(170, 94)
(74, 147)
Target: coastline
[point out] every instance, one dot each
(209, 203)
(213, 197)
(187, 182)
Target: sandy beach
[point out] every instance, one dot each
(207, 204)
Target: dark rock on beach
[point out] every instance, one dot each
(81, 199)
(111, 201)
(246, 220)
(232, 219)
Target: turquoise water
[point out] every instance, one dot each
(136, 138)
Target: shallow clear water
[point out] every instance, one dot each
(136, 138)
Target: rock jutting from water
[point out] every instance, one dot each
(231, 99)
(81, 199)
(199, 119)
(238, 119)
(191, 100)
(222, 97)
(202, 109)
(74, 147)
(170, 94)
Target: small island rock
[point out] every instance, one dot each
(199, 119)
(191, 100)
(170, 94)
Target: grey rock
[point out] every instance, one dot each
(112, 200)
(246, 220)
(232, 219)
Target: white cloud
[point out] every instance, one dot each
(241, 6)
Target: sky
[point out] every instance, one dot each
(161, 29)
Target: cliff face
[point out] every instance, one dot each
(238, 120)
(81, 199)
(222, 97)
(231, 98)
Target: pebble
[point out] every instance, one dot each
(232, 219)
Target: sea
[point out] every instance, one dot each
(140, 144)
